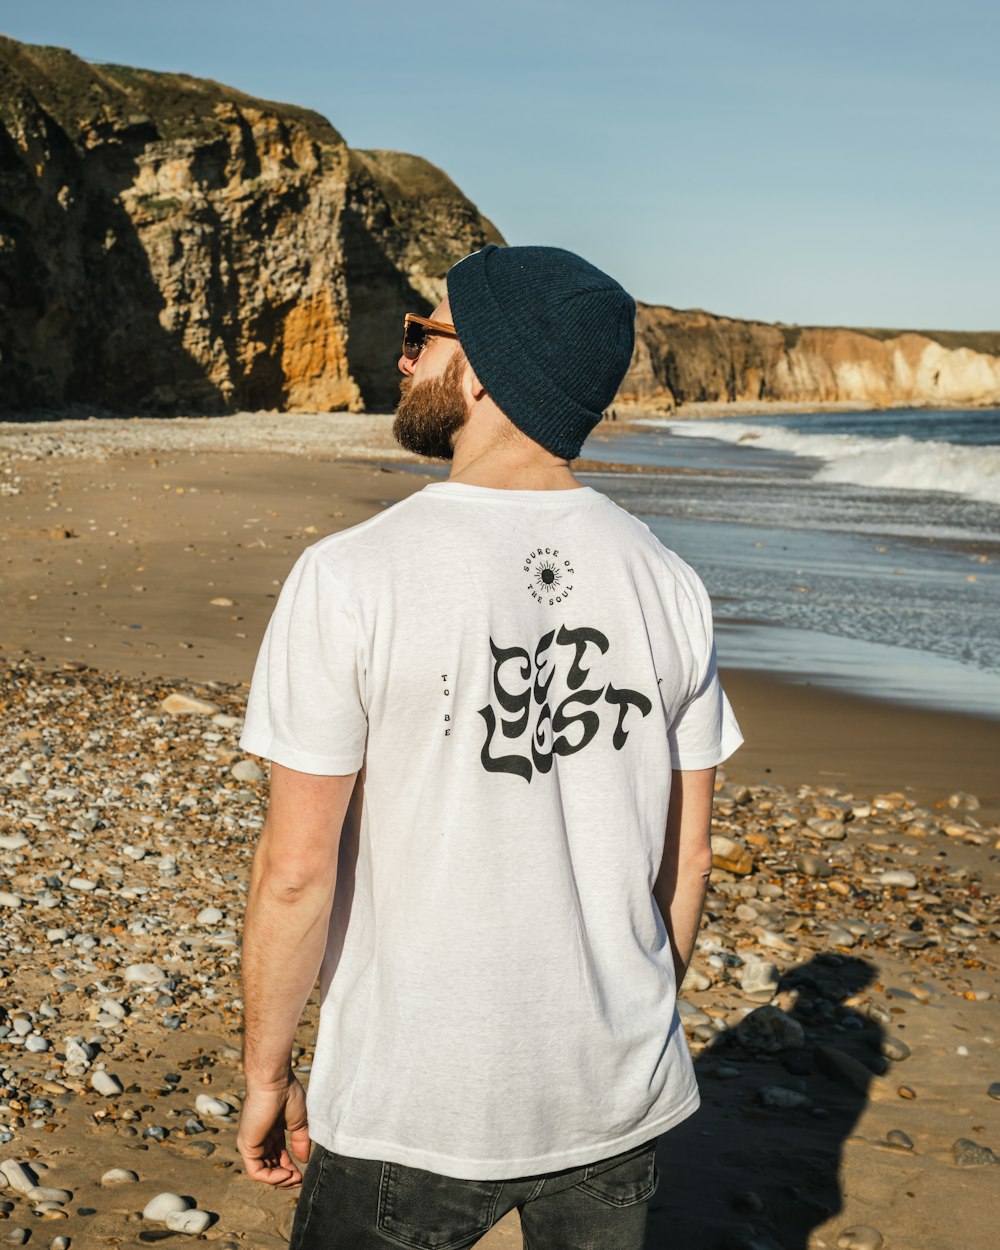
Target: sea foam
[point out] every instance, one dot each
(899, 463)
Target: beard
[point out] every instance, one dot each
(431, 412)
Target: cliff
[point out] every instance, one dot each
(694, 356)
(170, 244)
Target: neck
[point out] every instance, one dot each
(491, 457)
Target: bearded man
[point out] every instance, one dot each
(494, 717)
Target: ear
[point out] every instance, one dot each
(472, 388)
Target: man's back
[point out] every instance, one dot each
(516, 672)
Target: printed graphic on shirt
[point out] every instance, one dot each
(521, 684)
(550, 575)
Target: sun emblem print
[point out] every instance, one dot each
(549, 575)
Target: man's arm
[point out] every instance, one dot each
(682, 881)
(292, 884)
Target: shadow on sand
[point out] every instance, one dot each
(751, 1170)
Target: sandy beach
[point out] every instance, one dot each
(842, 1005)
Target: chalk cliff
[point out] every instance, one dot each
(692, 356)
(171, 244)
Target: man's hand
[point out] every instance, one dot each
(268, 1111)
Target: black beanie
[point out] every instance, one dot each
(549, 335)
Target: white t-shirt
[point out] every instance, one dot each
(517, 671)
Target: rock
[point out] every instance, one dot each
(768, 1030)
(731, 855)
(994, 1090)
(844, 1068)
(17, 1236)
(193, 1221)
(59, 1243)
(894, 1048)
(144, 974)
(7, 899)
(782, 1098)
(969, 1154)
(205, 1104)
(247, 770)
(859, 1237)
(813, 865)
(188, 705)
(19, 1176)
(209, 916)
(12, 841)
(831, 830)
(695, 979)
(906, 1091)
(164, 1204)
(34, 1042)
(898, 876)
(107, 1085)
(48, 1193)
(962, 801)
(118, 1176)
(896, 1137)
(759, 980)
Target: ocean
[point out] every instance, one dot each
(856, 550)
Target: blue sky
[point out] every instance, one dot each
(819, 163)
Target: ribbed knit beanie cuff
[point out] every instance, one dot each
(549, 335)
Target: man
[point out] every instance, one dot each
(494, 720)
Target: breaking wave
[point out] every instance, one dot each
(898, 463)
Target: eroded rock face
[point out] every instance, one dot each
(170, 244)
(692, 356)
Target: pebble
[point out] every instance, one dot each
(59, 1243)
(994, 1090)
(894, 1048)
(210, 916)
(7, 899)
(781, 1097)
(731, 855)
(205, 1104)
(247, 770)
(144, 974)
(970, 1154)
(107, 1086)
(768, 1030)
(193, 1221)
(164, 1204)
(899, 876)
(118, 1176)
(759, 980)
(17, 1236)
(859, 1237)
(896, 1137)
(187, 705)
(813, 865)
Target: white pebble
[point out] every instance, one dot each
(961, 1050)
(118, 1176)
(81, 883)
(9, 900)
(247, 770)
(210, 915)
(193, 1221)
(35, 1042)
(162, 1205)
(899, 876)
(106, 1084)
(12, 841)
(205, 1104)
(18, 1176)
(46, 1193)
(144, 974)
(59, 1243)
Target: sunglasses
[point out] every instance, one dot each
(417, 330)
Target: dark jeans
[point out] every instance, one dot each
(360, 1204)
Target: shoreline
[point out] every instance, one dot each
(167, 565)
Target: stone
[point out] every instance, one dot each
(144, 974)
(17, 1236)
(860, 1237)
(813, 865)
(164, 1204)
(759, 980)
(731, 855)
(19, 1176)
(106, 1085)
(969, 1154)
(994, 1090)
(193, 1221)
(8, 899)
(210, 916)
(896, 1137)
(48, 1193)
(768, 1030)
(894, 1048)
(205, 1104)
(899, 876)
(247, 770)
(187, 705)
(782, 1098)
(118, 1176)
(843, 1067)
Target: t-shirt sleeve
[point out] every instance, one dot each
(305, 708)
(705, 730)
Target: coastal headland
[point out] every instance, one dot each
(841, 1006)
